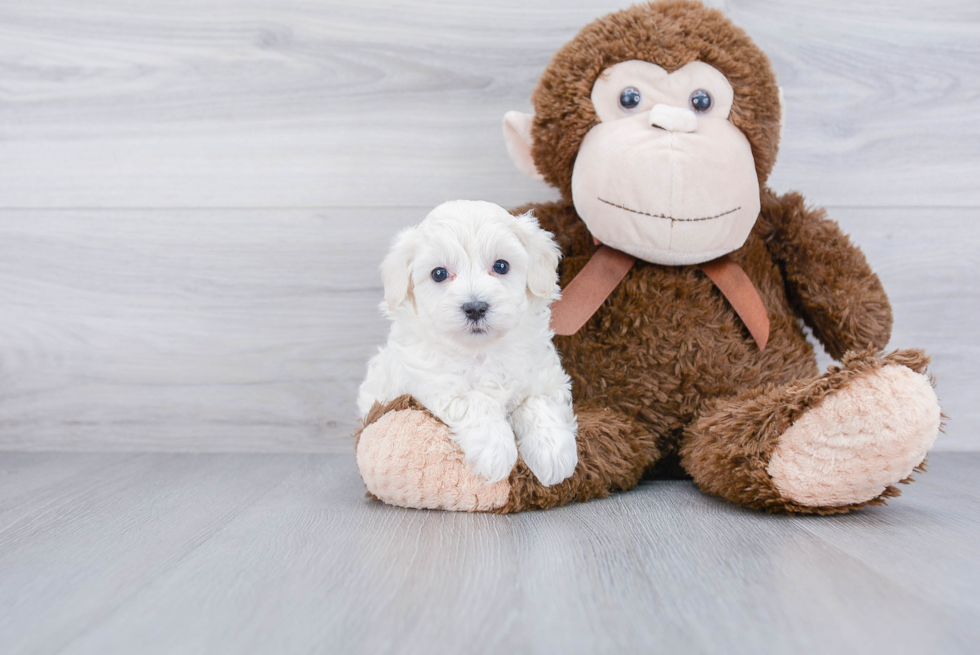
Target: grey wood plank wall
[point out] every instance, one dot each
(194, 196)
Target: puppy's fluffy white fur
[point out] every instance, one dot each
(496, 382)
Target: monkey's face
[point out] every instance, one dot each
(665, 176)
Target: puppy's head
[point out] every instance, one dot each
(470, 271)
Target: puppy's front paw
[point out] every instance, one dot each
(491, 450)
(551, 454)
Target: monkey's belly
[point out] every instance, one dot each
(667, 341)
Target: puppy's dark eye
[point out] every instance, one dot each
(500, 267)
(629, 98)
(700, 101)
(439, 274)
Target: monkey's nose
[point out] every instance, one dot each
(673, 119)
(475, 309)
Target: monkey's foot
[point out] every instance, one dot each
(407, 458)
(859, 440)
(827, 445)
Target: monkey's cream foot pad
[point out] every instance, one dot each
(858, 441)
(407, 458)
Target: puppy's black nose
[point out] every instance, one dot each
(475, 309)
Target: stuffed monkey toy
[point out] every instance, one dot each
(686, 282)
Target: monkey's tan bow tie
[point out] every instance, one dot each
(606, 269)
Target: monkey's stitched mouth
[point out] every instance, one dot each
(669, 218)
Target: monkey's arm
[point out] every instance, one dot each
(827, 277)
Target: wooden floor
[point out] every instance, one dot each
(221, 553)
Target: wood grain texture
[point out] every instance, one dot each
(230, 104)
(232, 327)
(26, 476)
(83, 545)
(303, 563)
(169, 330)
(250, 330)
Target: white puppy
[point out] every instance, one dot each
(467, 292)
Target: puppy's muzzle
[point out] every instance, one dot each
(475, 310)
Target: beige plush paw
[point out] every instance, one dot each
(406, 458)
(858, 441)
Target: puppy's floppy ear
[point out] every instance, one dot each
(543, 255)
(396, 269)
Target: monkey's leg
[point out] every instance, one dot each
(822, 446)
(613, 451)
(407, 458)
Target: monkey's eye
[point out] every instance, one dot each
(700, 101)
(629, 98)
(500, 267)
(439, 274)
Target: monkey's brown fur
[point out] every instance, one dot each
(666, 367)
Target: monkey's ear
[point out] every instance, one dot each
(396, 269)
(517, 137)
(543, 255)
